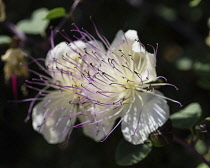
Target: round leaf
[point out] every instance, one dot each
(201, 147)
(184, 64)
(5, 39)
(35, 25)
(187, 118)
(55, 13)
(194, 3)
(204, 83)
(129, 154)
(202, 165)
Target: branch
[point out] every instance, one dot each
(192, 149)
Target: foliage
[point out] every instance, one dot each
(180, 28)
(5, 40)
(128, 154)
(35, 25)
(55, 13)
(187, 118)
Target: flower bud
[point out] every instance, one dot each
(162, 136)
(202, 129)
(15, 61)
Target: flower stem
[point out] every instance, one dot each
(65, 19)
(192, 149)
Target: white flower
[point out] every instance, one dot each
(55, 115)
(118, 85)
(99, 86)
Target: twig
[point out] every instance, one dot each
(180, 26)
(65, 19)
(192, 149)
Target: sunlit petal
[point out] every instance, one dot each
(49, 117)
(148, 112)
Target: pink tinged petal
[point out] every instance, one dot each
(48, 117)
(148, 112)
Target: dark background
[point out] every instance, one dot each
(179, 29)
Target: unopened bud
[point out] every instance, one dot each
(14, 58)
(202, 129)
(162, 136)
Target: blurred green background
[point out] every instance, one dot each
(181, 30)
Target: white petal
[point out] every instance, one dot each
(117, 40)
(137, 47)
(127, 44)
(124, 41)
(96, 131)
(131, 35)
(57, 52)
(147, 61)
(71, 49)
(64, 48)
(122, 44)
(62, 58)
(48, 117)
(101, 129)
(148, 112)
(148, 73)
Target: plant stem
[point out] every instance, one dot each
(65, 19)
(192, 149)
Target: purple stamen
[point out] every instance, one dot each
(162, 77)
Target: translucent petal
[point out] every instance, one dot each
(61, 61)
(49, 117)
(131, 35)
(148, 112)
(96, 131)
(122, 46)
(99, 130)
(124, 41)
(62, 49)
(148, 73)
(128, 45)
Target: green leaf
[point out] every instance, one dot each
(202, 165)
(55, 13)
(202, 69)
(35, 25)
(201, 147)
(166, 12)
(194, 3)
(204, 83)
(184, 64)
(187, 118)
(129, 154)
(5, 39)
